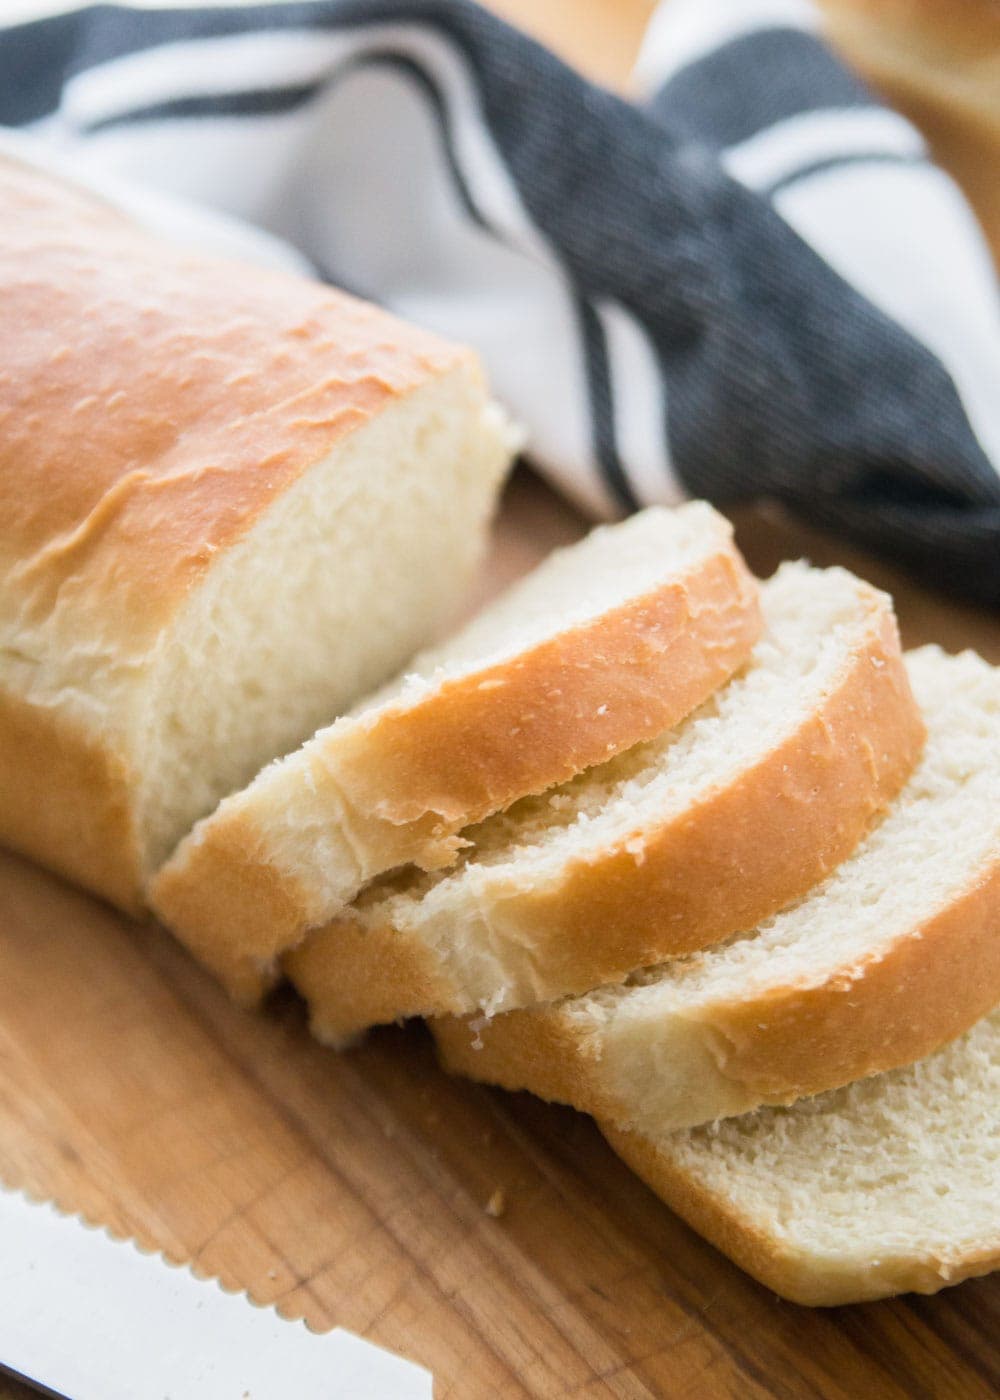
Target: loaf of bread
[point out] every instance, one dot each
(607, 642)
(670, 847)
(231, 501)
(886, 1186)
(894, 954)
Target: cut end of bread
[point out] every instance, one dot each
(213, 553)
(301, 617)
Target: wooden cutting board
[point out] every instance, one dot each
(355, 1189)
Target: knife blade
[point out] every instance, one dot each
(89, 1317)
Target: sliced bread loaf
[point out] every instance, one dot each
(231, 501)
(670, 847)
(886, 1186)
(895, 953)
(606, 643)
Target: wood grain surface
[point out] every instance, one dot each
(353, 1189)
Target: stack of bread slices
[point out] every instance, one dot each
(709, 860)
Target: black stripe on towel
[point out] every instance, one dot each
(753, 82)
(267, 102)
(602, 410)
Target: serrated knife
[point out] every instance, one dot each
(87, 1317)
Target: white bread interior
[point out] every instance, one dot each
(604, 643)
(889, 1185)
(350, 569)
(547, 896)
(895, 953)
(359, 562)
(230, 500)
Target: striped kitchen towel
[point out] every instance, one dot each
(751, 283)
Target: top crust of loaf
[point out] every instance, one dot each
(160, 412)
(394, 782)
(155, 403)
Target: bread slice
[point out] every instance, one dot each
(231, 501)
(896, 953)
(890, 1185)
(670, 847)
(605, 643)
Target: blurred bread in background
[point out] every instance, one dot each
(936, 61)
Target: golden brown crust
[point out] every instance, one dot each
(790, 1271)
(210, 898)
(156, 402)
(525, 724)
(538, 1049)
(876, 1014)
(422, 771)
(350, 978)
(67, 802)
(747, 850)
(153, 405)
(880, 1013)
